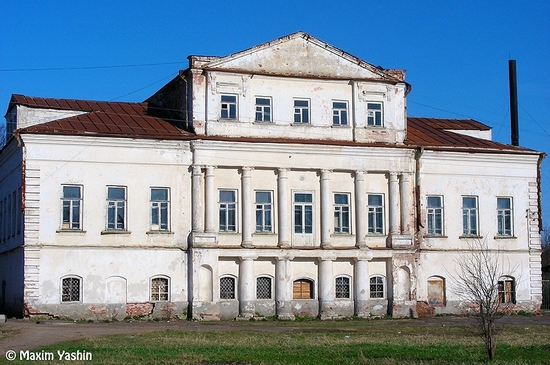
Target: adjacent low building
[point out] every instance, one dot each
(284, 180)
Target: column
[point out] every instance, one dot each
(283, 289)
(360, 209)
(326, 211)
(326, 289)
(394, 204)
(247, 205)
(361, 288)
(196, 200)
(283, 203)
(246, 288)
(405, 204)
(210, 200)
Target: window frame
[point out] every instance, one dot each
(503, 293)
(159, 292)
(432, 212)
(264, 297)
(344, 289)
(502, 218)
(263, 111)
(68, 222)
(340, 214)
(226, 107)
(302, 282)
(469, 213)
(228, 207)
(376, 215)
(233, 293)
(373, 114)
(73, 278)
(263, 210)
(156, 205)
(302, 113)
(116, 208)
(304, 213)
(340, 114)
(378, 294)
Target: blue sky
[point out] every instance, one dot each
(455, 52)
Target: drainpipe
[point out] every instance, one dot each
(419, 226)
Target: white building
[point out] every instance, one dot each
(282, 180)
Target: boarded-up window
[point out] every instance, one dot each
(436, 291)
(506, 290)
(302, 289)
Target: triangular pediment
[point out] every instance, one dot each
(298, 54)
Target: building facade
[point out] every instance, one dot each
(284, 180)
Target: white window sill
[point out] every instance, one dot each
(115, 232)
(71, 232)
(505, 237)
(159, 232)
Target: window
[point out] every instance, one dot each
(436, 291)
(434, 215)
(227, 288)
(71, 207)
(301, 111)
(229, 107)
(374, 114)
(504, 216)
(303, 289)
(376, 213)
(116, 208)
(263, 110)
(339, 113)
(377, 284)
(70, 289)
(469, 216)
(341, 213)
(342, 288)
(303, 213)
(263, 287)
(159, 289)
(160, 209)
(228, 207)
(264, 211)
(506, 290)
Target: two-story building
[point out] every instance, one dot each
(284, 180)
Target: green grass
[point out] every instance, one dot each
(353, 342)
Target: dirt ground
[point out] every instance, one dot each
(31, 335)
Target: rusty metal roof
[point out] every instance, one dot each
(115, 119)
(133, 120)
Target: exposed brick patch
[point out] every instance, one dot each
(424, 310)
(139, 309)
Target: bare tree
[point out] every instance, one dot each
(545, 239)
(476, 280)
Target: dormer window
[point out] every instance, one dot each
(374, 114)
(301, 111)
(229, 107)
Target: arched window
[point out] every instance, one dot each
(263, 287)
(506, 289)
(436, 291)
(342, 287)
(377, 287)
(227, 287)
(303, 289)
(160, 288)
(71, 289)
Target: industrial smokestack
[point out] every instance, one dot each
(513, 102)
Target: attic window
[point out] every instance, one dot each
(374, 114)
(229, 107)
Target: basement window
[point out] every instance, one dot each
(159, 289)
(71, 289)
